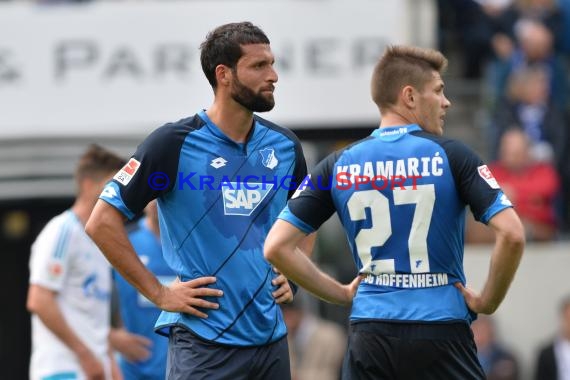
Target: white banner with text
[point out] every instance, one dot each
(118, 68)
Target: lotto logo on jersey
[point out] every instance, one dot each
(486, 174)
(125, 175)
(243, 199)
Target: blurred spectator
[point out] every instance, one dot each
(565, 9)
(475, 22)
(553, 362)
(527, 105)
(545, 12)
(532, 186)
(488, 29)
(316, 346)
(534, 47)
(497, 361)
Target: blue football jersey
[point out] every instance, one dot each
(138, 314)
(217, 200)
(401, 195)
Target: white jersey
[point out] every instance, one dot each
(64, 259)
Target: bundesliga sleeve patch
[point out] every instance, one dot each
(125, 175)
(486, 174)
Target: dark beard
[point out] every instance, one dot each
(249, 99)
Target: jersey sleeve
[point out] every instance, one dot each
(475, 183)
(51, 256)
(150, 172)
(311, 205)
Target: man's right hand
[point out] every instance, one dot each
(187, 296)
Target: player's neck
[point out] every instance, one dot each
(232, 119)
(394, 119)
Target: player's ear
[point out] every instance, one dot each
(408, 96)
(223, 75)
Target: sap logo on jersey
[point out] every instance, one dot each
(242, 199)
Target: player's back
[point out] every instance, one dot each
(401, 196)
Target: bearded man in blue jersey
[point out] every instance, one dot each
(401, 196)
(216, 176)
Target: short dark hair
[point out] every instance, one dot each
(97, 162)
(223, 46)
(400, 66)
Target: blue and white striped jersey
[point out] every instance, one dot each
(65, 260)
(401, 195)
(217, 200)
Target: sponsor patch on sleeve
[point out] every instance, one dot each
(486, 174)
(125, 175)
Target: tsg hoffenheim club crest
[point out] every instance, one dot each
(268, 158)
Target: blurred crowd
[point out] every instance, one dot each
(519, 50)
(500, 362)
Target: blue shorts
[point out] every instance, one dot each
(191, 358)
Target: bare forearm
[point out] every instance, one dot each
(281, 250)
(507, 252)
(106, 229)
(297, 267)
(122, 256)
(504, 263)
(52, 317)
(307, 244)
